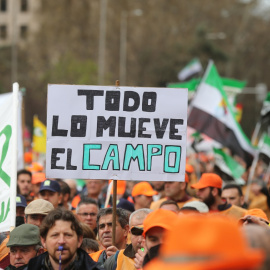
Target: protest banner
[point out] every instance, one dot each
(8, 157)
(110, 132)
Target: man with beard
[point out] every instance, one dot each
(209, 189)
(61, 234)
(175, 191)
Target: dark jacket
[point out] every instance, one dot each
(11, 267)
(83, 262)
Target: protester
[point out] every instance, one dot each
(24, 178)
(259, 237)
(209, 191)
(87, 211)
(175, 191)
(61, 228)
(159, 188)
(20, 206)
(37, 179)
(255, 216)
(170, 205)
(205, 243)
(87, 231)
(142, 194)
(89, 245)
(201, 207)
(259, 196)
(93, 191)
(233, 194)
(132, 256)
(155, 225)
(50, 191)
(73, 187)
(104, 225)
(24, 244)
(65, 192)
(4, 251)
(36, 211)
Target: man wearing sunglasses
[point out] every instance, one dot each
(132, 257)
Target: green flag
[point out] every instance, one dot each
(228, 164)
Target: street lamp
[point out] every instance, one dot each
(123, 43)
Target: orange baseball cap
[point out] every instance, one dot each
(35, 167)
(143, 188)
(121, 187)
(159, 218)
(27, 157)
(189, 168)
(38, 177)
(210, 242)
(257, 213)
(208, 180)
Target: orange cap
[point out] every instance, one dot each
(121, 187)
(208, 180)
(27, 157)
(143, 188)
(205, 243)
(159, 218)
(35, 167)
(38, 177)
(257, 213)
(189, 168)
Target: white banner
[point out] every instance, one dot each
(6, 165)
(109, 132)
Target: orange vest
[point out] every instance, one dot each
(95, 256)
(124, 262)
(4, 250)
(75, 201)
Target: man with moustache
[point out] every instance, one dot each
(61, 230)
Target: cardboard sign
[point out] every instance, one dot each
(109, 132)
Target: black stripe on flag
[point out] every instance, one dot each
(215, 129)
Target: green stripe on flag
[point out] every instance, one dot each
(228, 164)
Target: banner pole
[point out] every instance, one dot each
(13, 182)
(117, 83)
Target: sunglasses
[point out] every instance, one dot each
(135, 230)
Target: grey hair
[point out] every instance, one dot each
(122, 215)
(37, 247)
(140, 213)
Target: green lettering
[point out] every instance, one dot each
(112, 155)
(177, 157)
(134, 153)
(151, 153)
(86, 156)
(7, 131)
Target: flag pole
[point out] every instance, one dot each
(251, 174)
(13, 182)
(117, 83)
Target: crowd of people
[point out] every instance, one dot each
(201, 223)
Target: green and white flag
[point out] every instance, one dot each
(8, 158)
(192, 68)
(211, 113)
(265, 111)
(264, 146)
(228, 165)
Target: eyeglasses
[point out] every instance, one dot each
(87, 214)
(135, 230)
